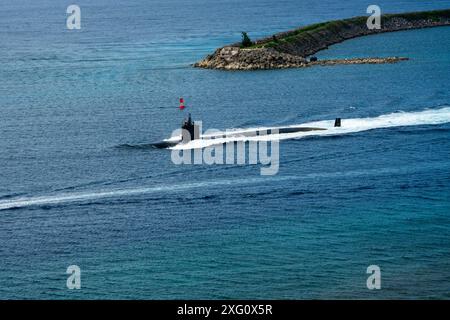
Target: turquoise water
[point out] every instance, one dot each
(80, 185)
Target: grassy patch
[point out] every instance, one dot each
(339, 25)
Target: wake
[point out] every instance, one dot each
(396, 119)
(89, 196)
(63, 198)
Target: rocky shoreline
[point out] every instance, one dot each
(375, 60)
(291, 49)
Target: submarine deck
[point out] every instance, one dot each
(171, 143)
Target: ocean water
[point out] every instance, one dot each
(81, 185)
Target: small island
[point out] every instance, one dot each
(291, 49)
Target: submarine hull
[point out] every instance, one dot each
(268, 131)
(164, 144)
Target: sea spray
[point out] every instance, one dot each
(352, 125)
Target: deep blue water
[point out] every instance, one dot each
(78, 109)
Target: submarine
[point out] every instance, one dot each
(191, 131)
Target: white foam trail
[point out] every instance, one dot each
(426, 117)
(397, 119)
(82, 197)
(88, 196)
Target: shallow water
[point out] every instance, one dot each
(80, 183)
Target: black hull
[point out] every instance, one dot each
(164, 144)
(167, 144)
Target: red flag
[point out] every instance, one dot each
(182, 104)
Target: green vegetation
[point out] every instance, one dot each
(431, 15)
(339, 25)
(246, 42)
